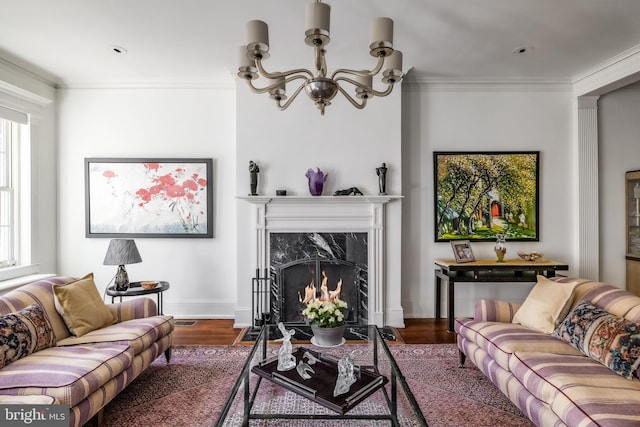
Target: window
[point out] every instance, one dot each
(14, 193)
(7, 222)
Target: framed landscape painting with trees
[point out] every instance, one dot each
(481, 194)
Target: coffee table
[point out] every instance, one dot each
(380, 383)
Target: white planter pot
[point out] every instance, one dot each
(328, 336)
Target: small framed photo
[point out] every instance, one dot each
(462, 250)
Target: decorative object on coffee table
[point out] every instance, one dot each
(351, 191)
(121, 252)
(286, 361)
(328, 337)
(501, 247)
(316, 181)
(382, 179)
(254, 169)
(346, 376)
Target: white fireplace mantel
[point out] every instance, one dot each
(328, 214)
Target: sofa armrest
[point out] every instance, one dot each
(495, 310)
(135, 308)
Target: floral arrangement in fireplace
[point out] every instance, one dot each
(326, 314)
(327, 310)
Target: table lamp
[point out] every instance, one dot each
(121, 252)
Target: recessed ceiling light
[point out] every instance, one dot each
(522, 50)
(118, 49)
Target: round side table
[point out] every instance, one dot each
(136, 289)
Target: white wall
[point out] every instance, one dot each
(346, 143)
(209, 276)
(482, 118)
(167, 122)
(619, 152)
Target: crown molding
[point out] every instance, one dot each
(619, 71)
(210, 85)
(499, 84)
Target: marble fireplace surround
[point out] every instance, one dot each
(327, 214)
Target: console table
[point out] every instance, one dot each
(450, 271)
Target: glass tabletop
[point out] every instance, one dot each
(253, 400)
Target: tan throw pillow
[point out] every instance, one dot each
(546, 305)
(80, 305)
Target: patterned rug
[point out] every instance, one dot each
(351, 333)
(192, 390)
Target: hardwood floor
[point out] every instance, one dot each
(222, 332)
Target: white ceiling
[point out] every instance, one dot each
(196, 41)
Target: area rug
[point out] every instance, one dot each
(193, 388)
(304, 333)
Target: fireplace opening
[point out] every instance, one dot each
(302, 280)
(300, 260)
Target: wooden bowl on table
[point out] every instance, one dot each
(149, 284)
(530, 256)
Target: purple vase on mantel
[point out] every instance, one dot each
(316, 181)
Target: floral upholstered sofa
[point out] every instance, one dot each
(82, 352)
(567, 356)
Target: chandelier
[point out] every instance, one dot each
(319, 87)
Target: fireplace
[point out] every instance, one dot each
(342, 228)
(307, 262)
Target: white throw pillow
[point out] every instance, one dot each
(546, 305)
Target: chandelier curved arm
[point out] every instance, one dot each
(255, 89)
(353, 101)
(368, 90)
(295, 94)
(365, 73)
(275, 85)
(269, 75)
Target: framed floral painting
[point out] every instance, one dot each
(148, 197)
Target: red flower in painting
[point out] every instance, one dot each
(178, 192)
(190, 184)
(167, 179)
(156, 189)
(175, 191)
(144, 194)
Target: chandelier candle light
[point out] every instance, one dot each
(320, 88)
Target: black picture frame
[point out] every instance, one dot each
(479, 194)
(149, 197)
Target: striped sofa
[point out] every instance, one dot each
(550, 381)
(84, 372)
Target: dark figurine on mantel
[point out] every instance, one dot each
(382, 179)
(253, 173)
(353, 191)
